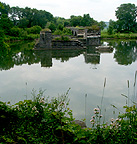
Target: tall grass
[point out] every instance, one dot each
(104, 34)
(50, 121)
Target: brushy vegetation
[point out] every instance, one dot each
(23, 34)
(62, 38)
(114, 35)
(44, 120)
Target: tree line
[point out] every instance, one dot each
(20, 22)
(27, 17)
(126, 15)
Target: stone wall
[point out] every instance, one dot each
(67, 44)
(45, 40)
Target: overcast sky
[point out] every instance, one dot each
(100, 10)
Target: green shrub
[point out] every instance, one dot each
(16, 32)
(62, 38)
(44, 120)
(34, 30)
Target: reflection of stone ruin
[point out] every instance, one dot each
(80, 38)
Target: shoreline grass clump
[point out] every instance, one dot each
(114, 35)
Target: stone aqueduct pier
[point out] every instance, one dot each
(80, 39)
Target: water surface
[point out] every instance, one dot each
(83, 71)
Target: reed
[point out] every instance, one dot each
(103, 93)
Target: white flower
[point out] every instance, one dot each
(17, 107)
(92, 121)
(101, 116)
(96, 112)
(96, 109)
(37, 111)
(112, 119)
(34, 108)
(62, 104)
(93, 117)
(42, 100)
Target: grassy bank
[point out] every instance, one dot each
(44, 120)
(105, 35)
(18, 38)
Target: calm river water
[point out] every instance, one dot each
(83, 71)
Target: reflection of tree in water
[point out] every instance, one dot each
(65, 55)
(18, 55)
(22, 53)
(126, 52)
(62, 55)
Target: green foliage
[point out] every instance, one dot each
(113, 35)
(4, 47)
(102, 25)
(60, 27)
(16, 32)
(52, 27)
(86, 20)
(29, 17)
(36, 121)
(34, 30)
(44, 120)
(62, 38)
(126, 15)
(5, 23)
(65, 31)
(4, 9)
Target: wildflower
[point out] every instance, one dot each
(42, 100)
(117, 119)
(130, 126)
(62, 104)
(112, 120)
(92, 121)
(96, 110)
(17, 107)
(93, 117)
(34, 108)
(101, 116)
(37, 111)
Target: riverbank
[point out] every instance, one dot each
(20, 38)
(50, 121)
(105, 35)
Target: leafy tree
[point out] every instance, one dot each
(34, 30)
(3, 46)
(23, 23)
(52, 27)
(5, 23)
(112, 26)
(27, 17)
(87, 20)
(15, 31)
(16, 14)
(75, 20)
(60, 27)
(4, 9)
(102, 25)
(126, 15)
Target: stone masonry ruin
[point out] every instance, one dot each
(80, 38)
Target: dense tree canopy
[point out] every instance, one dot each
(126, 15)
(28, 17)
(86, 20)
